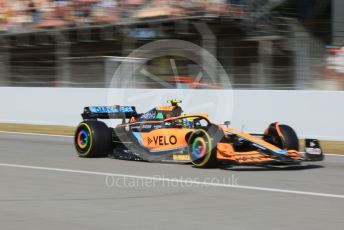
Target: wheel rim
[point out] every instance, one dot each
(83, 140)
(199, 148)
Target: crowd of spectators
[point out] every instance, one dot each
(23, 15)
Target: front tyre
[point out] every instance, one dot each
(282, 136)
(201, 150)
(92, 139)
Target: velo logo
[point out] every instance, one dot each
(162, 140)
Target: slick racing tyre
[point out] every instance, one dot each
(201, 150)
(282, 136)
(93, 139)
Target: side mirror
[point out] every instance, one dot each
(227, 123)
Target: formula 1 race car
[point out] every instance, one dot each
(163, 134)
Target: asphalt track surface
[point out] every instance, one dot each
(45, 186)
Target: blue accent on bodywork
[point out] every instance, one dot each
(281, 152)
(111, 109)
(138, 137)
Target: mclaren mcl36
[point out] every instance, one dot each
(163, 134)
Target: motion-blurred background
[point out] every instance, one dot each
(262, 44)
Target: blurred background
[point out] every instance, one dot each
(262, 44)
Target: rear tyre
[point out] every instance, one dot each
(282, 136)
(93, 139)
(201, 150)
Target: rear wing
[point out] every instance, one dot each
(109, 112)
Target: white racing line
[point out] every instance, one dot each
(36, 134)
(189, 182)
(334, 154)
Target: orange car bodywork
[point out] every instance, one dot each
(225, 151)
(169, 139)
(165, 139)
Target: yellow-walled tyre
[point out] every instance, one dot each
(201, 150)
(93, 139)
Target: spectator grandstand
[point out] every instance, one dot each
(274, 44)
(24, 15)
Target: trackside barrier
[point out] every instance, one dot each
(315, 114)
